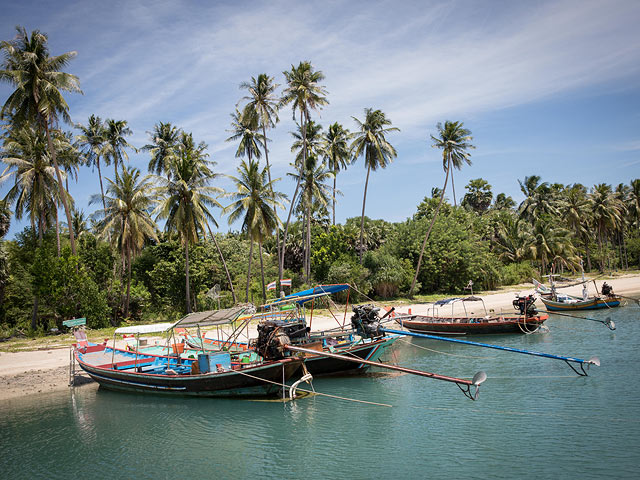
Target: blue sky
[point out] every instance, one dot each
(547, 88)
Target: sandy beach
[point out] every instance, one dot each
(33, 372)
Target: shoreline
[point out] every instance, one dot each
(42, 371)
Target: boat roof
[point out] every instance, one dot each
(309, 294)
(202, 319)
(447, 301)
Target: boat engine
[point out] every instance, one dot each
(274, 335)
(366, 321)
(526, 305)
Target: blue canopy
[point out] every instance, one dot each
(311, 293)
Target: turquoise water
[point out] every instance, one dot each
(534, 419)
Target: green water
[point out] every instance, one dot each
(534, 419)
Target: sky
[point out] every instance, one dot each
(549, 88)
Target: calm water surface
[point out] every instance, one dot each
(534, 419)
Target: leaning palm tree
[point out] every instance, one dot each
(38, 98)
(314, 193)
(454, 140)
(126, 216)
(92, 142)
(117, 130)
(371, 142)
(163, 147)
(304, 94)
(186, 196)
(255, 202)
(336, 150)
(263, 104)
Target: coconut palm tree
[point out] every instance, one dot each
(263, 103)
(337, 155)
(186, 197)
(311, 141)
(539, 199)
(371, 142)
(117, 131)
(126, 216)
(634, 207)
(92, 142)
(304, 93)
(314, 193)
(454, 140)
(165, 140)
(37, 98)
(35, 189)
(5, 218)
(244, 127)
(607, 214)
(254, 201)
(574, 208)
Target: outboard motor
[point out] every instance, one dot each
(274, 335)
(366, 321)
(526, 305)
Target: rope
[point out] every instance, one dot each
(314, 392)
(444, 353)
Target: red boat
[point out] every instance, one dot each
(528, 320)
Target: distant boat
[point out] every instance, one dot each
(473, 324)
(561, 302)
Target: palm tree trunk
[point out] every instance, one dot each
(104, 205)
(293, 199)
(52, 151)
(249, 269)
(264, 291)
(453, 186)
(364, 201)
(426, 237)
(334, 198)
(308, 243)
(126, 305)
(224, 264)
(186, 267)
(286, 227)
(58, 231)
(275, 211)
(34, 313)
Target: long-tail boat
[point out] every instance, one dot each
(289, 314)
(526, 320)
(561, 302)
(219, 374)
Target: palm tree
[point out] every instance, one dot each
(336, 148)
(165, 140)
(479, 196)
(634, 197)
(244, 127)
(35, 190)
(254, 201)
(454, 140)
(311, 141)
(314, 193)
(539, 199)
(607, 214)
(371, 142)
(92, 142)
(186, 197)
(263, 104)
(304, 94)
(577, 215)
(38, 98)
(5, 218)
(126, 216)
(117, 130)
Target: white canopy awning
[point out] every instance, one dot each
(151, 328)
(214, 317)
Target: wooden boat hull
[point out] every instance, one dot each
(372, 351)
(252, 380)
(471, 326)
(590, 304)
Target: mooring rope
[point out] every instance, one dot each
(444, 353)
(284, 385)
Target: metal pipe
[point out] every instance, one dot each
(421, 373)
(497, 347)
